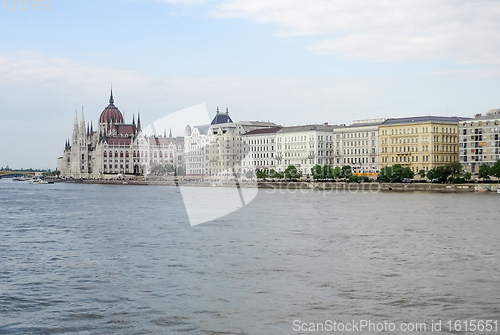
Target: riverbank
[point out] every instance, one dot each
(321, 186)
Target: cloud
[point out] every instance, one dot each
(39, 95)
(382, 31)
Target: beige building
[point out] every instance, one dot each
(480, 140)
(420, 143)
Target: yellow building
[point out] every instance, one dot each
(420, 143)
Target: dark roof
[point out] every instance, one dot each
(118, 141)
(221, 118)
(420, 119)
(125, 129)
(263, 131)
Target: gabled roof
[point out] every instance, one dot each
(203, 129)
(263, 131)
(420, 119)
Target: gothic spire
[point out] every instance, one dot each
(139, 121)
(170, 132)
(111, 100)
(133, 120)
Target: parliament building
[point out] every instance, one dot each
(116, 148)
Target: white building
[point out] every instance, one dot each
(304, 147)
(259, 146)
(357, 145)
(116, 148)
(216, 150)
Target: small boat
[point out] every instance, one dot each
(38, 181)
(498, 190)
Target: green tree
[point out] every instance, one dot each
(422, 173)
(467, 176)
(454, 170)
(438, 173)
(337, 172)
(275, 175)
(317, 172)
(484, 171)
(249, 174)
(346, 171)
(261, 174)
(395, 173)
(327, 172)
(292, 173)
(181, 171)
(169, 168)
(495, 170)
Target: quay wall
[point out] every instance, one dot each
(320, 186)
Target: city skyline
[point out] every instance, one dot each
(290, 63)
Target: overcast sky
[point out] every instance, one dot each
(291, 62)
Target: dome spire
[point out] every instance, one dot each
(111, 100)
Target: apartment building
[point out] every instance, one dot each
(421, 142)
(259, 149)
(480, 140)
(304, 147)
(357, 145)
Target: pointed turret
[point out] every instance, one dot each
(111, 100)
(133, 120)
(170, 132)
(139, 121)
(164, 133)
(74, 138)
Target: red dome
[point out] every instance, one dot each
(111, 113)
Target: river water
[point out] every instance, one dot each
(109, 259)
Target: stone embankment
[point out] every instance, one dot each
(320, 186)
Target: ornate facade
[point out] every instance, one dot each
(116, 148)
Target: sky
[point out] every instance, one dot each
(290, 62)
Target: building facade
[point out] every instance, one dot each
(420, 143)
(357, 145)
(116, 148)
(480, 140)
(216, 150)
(304, 147)
(259, 149)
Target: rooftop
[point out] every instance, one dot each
(421, 119)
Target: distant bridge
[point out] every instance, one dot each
(4, 173)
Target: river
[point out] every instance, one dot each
(109, 259)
